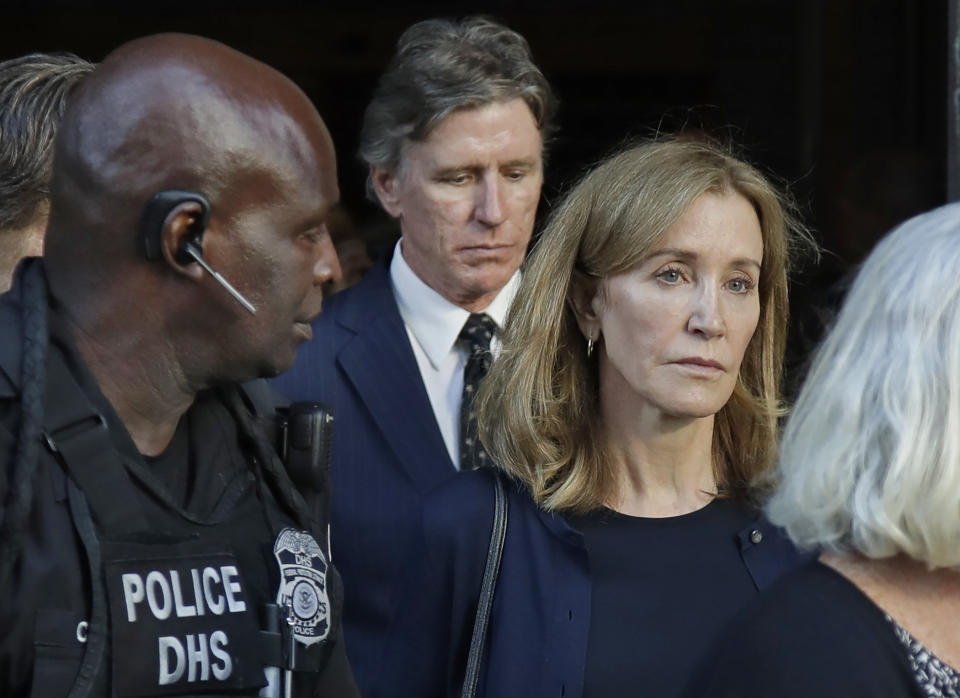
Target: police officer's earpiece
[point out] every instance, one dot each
(154, 217)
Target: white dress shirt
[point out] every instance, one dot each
(433, 324)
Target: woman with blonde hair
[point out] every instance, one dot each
(634, 411)
(870, 474)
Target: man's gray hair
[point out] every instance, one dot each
(33, 95)
(441, 66)
(870, 460)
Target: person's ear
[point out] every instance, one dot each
(586, 302)
(184, 226)
(386, 184)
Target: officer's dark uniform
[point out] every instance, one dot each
(153, 576)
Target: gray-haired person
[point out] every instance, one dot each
(454, 139)
(33, 94)
(869, 475)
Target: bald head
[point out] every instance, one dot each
(177, 112)
(170, 112)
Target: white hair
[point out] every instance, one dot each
(870, 460)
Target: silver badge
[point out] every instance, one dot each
(303, 585)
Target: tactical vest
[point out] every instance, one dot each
(239, 602)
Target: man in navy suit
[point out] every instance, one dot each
(454, 140)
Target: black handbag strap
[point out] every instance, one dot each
(485, 604)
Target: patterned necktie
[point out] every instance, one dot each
(476, 334)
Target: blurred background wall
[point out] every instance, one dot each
(844, 101)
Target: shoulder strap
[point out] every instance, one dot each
(76, 431)
(263, 398)
(485, 604)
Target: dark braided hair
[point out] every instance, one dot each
(33, 317)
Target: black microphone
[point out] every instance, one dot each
(306, 444)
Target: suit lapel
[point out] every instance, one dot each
(381, 365)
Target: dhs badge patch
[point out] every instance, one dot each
(303, 585)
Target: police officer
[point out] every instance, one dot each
(152, 542)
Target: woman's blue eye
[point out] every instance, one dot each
(671, 276)
(740, 285)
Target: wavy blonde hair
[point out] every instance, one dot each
(538, 408)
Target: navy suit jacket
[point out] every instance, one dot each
(540, 620)
(387, 453)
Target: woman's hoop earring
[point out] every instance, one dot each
(589, 347)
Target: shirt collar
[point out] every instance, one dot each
(434, 321)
